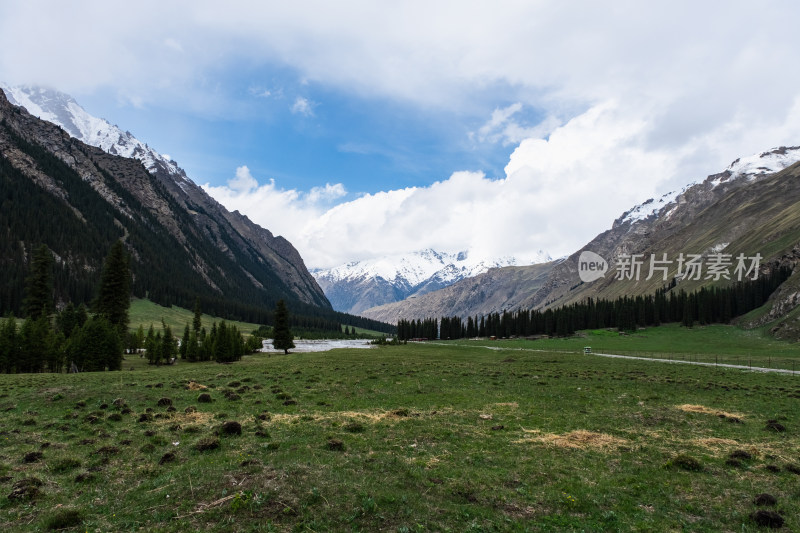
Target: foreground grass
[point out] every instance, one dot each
(405, 438)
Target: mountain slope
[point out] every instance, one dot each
(489, 292)
(753, 207)
(360, 285)
(183, 243)
(716, 215)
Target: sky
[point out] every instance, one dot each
(357, 129)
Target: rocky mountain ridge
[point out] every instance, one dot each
(359, 285)
(752, 207)
(234, 257)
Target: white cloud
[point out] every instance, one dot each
(639, 97)
(260, 92)
(303, 106)
(591, 169)
(244, 182)
(502, 127)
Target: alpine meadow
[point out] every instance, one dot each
(473, 267)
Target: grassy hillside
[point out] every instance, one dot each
(145, 312)
(431, 437)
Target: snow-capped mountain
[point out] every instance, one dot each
(746, 209)
(359, 285)
(752, 167)
(63, 110)
(187, 212)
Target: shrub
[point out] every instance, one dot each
(686, 462)
(63, 519)
(206, 444)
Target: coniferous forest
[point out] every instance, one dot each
(81, 230)
(714, 305)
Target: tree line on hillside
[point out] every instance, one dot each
(81, 231)
(705, 306)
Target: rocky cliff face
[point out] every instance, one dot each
(230, 253)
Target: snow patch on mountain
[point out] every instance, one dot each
(751, 168)
(62, 110)
(417, 268)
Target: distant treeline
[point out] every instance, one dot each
(706, 306)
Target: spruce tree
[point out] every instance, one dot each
(96, 346)
(114, 296)
(39, 284)
(197, 322)
(192, 349)
(169, 345)
(282, 336)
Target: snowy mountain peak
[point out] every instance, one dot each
(62, 110)
(414, 268)
(768, 162)
(359, 285)
(751, 168)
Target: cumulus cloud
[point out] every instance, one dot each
(502, 127)
(638, 98)
(244, 182)
(552, 196)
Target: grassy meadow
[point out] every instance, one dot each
(528, 436)
(714, 343)
(144, 312)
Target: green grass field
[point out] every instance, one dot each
(710, 344)
(145, 312)
(422, 437)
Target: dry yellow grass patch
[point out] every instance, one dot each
(713, 442)
(197, 417)
(689, 408)
(579, 438)
(372, 417)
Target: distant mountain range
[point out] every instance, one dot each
(77, 183)
(751, 208)
(360, 285)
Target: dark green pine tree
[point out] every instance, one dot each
(197, 322)
(169, 345)
(282, 336)
(114, 296)
(192, 349)
(222, 349)
(39, 284)
(96, 346)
